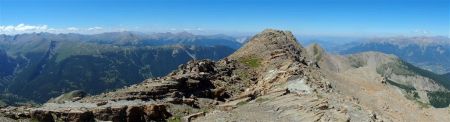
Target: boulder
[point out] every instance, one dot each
(116, 114)
(156, 112)
(42, 116)
(135, 114)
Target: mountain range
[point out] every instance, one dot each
(39, 66)
(430, 53)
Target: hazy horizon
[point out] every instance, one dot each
(347, 18)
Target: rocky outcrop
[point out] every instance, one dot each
(125, 113)
(21, 112)
(147, 101)
(196, 79)
(315, 53)
(271, 44)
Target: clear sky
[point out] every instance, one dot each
(315, 17)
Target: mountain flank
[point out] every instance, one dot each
(385, 84)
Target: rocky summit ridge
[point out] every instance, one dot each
(270, 78)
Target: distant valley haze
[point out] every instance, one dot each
(305, 17)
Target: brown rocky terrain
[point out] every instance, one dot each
(271, 78)
(359, 76)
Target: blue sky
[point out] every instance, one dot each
(313, 17)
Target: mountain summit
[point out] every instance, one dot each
(271, 44)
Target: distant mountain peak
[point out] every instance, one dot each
(431, 53)
(184, 33)
(422, 41)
